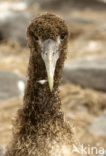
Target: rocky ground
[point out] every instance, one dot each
(83, 91)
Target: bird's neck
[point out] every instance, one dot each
(41, 104)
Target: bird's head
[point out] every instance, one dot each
(48, 35)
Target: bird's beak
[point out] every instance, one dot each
(50, 56)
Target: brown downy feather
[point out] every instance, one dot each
(40, 129)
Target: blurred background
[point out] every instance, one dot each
(83, 90)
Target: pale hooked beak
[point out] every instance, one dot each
(50, 56)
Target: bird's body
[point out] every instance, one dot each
(40, 129)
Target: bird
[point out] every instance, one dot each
(40, 128)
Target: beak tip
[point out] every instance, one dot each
(51, 84)
(51, 89)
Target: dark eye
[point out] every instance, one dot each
(62, 36)
(36, 38)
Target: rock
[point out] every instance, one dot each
(89, 73)
(11, 85)
(17, 6)
(73, 4)
(32, 2)
(98, 127)
(13, 25)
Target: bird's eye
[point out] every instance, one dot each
(62, 36)
(36, 38)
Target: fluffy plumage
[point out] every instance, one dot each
(40, 129)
